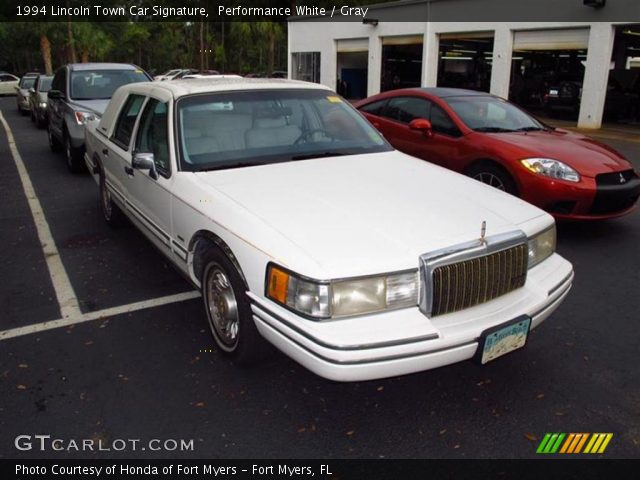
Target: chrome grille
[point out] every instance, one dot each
(461, 285)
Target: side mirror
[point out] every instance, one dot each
(32, 90)
(421, 125)
(145, 161)
(55, 94)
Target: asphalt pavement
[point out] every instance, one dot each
(154, 373)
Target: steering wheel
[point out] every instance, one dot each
(308, 133)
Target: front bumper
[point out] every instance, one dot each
(406, 341)
(584, 200)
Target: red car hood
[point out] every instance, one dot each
(586, 155)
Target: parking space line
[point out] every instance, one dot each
(69, 306)
(98, 314)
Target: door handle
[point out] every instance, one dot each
(105, 152)
(129, 171)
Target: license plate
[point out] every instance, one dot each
(498, 341)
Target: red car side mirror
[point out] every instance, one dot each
(422, 125)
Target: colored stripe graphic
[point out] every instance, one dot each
(573, 443)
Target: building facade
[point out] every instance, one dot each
(593, 65)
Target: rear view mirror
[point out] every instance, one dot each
(145, 161)
(421, 124)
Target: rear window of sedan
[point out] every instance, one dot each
(100, 84)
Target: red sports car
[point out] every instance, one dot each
(490, 139)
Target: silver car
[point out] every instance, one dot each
(38, 100)
(22, 92)
(80, 92)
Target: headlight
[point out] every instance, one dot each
(84, 117)
(551, 168)
(542, 246)
(43, 105)
(340, 298)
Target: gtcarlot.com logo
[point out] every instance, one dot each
(574, 443)
(48, 443)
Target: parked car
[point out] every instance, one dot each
(79, 92)
(210, 76)
(490, 139)
(168, 75)
(22, 92)
(301, 225)
(8, 84)
(622, 101)
(38, 100)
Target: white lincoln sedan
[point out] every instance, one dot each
(303, 227)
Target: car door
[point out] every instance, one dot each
(149, 192)
(446, 144)
(55, 106)
(116, 151)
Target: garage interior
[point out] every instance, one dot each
(464, 61)
(401, 62)
(352, 65)
(548, 68)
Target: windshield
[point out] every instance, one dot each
(100, 84)
(239, 129)
(491, 114)
(27, 82)
(45, 84)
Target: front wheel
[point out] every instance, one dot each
(54, 143)
(73, 156)
(494, 176)
(228, 310)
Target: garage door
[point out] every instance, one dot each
(573, 39)
(403, 40)
(352, 45)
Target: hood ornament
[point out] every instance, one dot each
(622, 179)
(483, 231)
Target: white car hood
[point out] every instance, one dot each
(369, 213)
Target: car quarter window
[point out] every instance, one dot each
(441, 122)
(406, 109)
(374, 108)
(153, 134)
(127, 120)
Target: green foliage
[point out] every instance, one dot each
(238, 47)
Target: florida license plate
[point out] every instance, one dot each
(498, 341)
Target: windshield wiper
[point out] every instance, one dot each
(493, 130)
(319, 155)
(529, 129)
(224, 166)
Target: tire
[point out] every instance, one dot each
(111, 212)
(495, 176)
(40, 122)
(73, 156)
(228, 311)
(54, 143)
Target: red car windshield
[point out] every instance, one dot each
(492, 115)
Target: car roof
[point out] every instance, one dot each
(101, 66)
(180, 88)
(444, 92)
